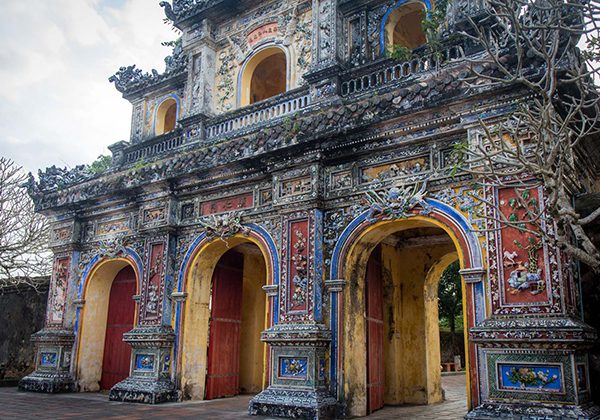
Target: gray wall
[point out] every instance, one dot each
(22, 313)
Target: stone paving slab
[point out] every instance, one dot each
(25, 405)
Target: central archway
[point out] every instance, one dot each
(225, 310)
(350, 316)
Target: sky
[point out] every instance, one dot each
(56, 105)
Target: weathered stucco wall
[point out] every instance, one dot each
(22, 313)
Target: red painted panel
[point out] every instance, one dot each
(298, 266)
(524, 277)
(375, 361)
(121, 313)
(223, 376)
(239, 202)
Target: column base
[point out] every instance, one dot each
(47, 382)
(294, 404)
(144, 391)
(529, 411)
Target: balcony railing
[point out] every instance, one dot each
(398, 71)
(157, 146)
(254, 115)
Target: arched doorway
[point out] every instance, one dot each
(166, 117)
(120, 319)
(402, 332)
(402, 27)
(109, 311)
(264, 75)
(350, 259)
(225, 312)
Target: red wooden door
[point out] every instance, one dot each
(223, 375)
(121, 313)
(375, 362)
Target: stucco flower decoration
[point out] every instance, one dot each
(224, 226)
(397, 202)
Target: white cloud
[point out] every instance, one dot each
(56, 105)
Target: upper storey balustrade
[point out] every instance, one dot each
(388, 72)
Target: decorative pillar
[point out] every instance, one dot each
(54, 343)
(152, 338)
(300, 342)
(323, 75)
(532, 349)
(335, 288)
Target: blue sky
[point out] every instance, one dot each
(56, 105)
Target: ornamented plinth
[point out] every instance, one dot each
(299, 382)
(536, 368)
(53, 362)
(150, 378)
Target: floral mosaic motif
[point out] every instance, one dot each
(395, 170)
(144, 362)
(522, 251)
(48, 359)
(155, 275)
(530, 377)
(155, 215)
(303, 44)
(113, 248)
(225, 86)
(293, 367)
(59, 289)
(397, 202)
(468, 200)
(112, 227)
(525, 276)
(341, 180)
(224, 226)
(299, 269)
(62, 234)
(188, 211)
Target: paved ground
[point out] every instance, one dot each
(22, 405)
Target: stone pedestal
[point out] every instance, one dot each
(536, 368)
(299, 382)
(150, 378)
(52, 362)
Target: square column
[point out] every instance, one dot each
(299, 382)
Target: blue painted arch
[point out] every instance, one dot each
(386, 16)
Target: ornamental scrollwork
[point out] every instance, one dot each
(224, 226)
(397, 202)
(113, 248)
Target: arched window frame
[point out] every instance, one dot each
(384, 20)
(243, 89)
(161, 102)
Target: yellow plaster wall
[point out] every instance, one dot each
(93, 324)
(197, 315)
(248, 72)
(410, 368)
(253, 323)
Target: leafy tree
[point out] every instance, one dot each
(450, 296)
(534, 47)
(100, 165)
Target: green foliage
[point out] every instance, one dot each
(399, 52)
(100, 165)
(433, 23)
(450, 297)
